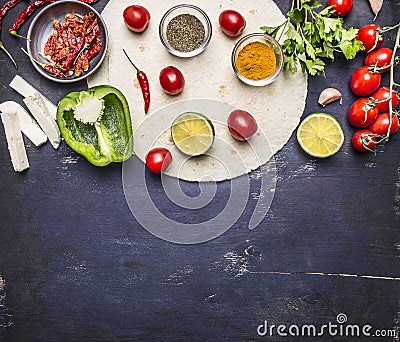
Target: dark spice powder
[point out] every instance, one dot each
(185, 33)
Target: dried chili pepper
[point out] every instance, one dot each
(94, 41)
(144, 84)
(49, 67)
(25, 15)
(6, 7)
(65, 47)
(28, 11)
(78, 48)
(95, 49)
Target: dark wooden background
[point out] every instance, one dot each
(76, 266)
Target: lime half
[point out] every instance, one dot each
(320, 135)
(192, 133)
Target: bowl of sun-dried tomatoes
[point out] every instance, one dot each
(67, 41)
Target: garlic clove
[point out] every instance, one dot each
(329, 95)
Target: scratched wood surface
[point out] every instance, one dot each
(76, 266)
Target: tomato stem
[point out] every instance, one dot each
(389, 28)
(391, 78)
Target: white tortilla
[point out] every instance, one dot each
(277, 107)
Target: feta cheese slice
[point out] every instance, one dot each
(40, 112)
(15, 142)
(26, 89)
(28, 126)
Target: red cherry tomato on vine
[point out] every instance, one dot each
(342, 7)
(136, 18)
(382, 95)
(380, 58)
(370, 37)
(172, 80)
(382, 123)
(362, 113)
(158, 160)
(363, 140)
(364, 82)
(242, 125)
(232, 23)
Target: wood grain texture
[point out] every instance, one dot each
(76, 266)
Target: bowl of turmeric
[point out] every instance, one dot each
(257, 59)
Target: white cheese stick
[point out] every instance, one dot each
(40, 112)
(15, 143)
(25, 89)
(28, 126)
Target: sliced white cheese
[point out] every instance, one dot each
(28, 126)
(37, 107)
(26, 89)
(15, 142)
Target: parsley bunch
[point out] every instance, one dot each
(313, 36)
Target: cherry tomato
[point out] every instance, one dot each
(242, 125)
(370, 38)
(363, 140)
(342, 7)
(382, 123)
(158, 160)
(136, 18)
(383, 94)
(380, 58)
(364, 82)
(362, 113)
(172, 80)
(232, 23)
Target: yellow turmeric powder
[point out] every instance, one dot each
(256, 61)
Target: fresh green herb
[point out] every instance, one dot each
(312, 37)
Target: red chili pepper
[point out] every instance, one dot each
(94, 49)
(71, 58)
(25, 15)
(144, 84)
(6, 7)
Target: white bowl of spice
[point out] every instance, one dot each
(185, 30)
(257, 59)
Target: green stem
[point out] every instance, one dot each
(283, 30)
(391, 80)
(386, 29)
(292, 8)
(137, 69)
(2, 47)
(15, 34)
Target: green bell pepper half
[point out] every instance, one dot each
(107, 135)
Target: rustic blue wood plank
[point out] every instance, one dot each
(77, 266)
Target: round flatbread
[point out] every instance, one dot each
(212, 88)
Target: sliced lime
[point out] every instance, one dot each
(192, 133)
(320, 135)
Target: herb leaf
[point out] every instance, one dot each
(311, 37)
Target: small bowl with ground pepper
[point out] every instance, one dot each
(185, 30)
(257, 59)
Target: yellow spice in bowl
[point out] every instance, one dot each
(256, 61)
